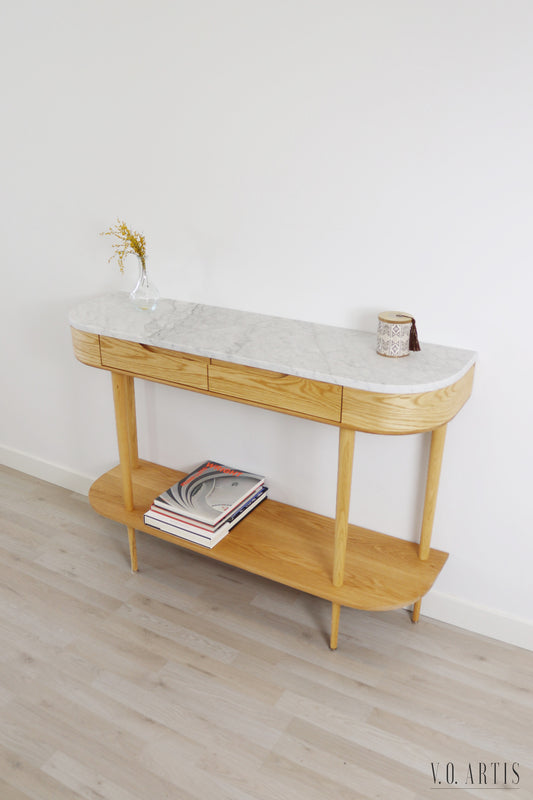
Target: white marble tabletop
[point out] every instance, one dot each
(340, 356)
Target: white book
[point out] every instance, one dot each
(156, 519)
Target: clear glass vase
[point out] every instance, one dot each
(145, 294)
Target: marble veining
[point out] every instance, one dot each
(309, 350)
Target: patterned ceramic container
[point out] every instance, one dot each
(394, 329)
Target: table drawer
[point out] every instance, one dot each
(276, 390)
(155, 363)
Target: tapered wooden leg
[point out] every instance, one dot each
(133, 549)
(335, 617)
(432, 487)
(132, 421)
(438, 437)
(122, 399)
(344, 486)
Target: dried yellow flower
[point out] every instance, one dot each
(130, 242)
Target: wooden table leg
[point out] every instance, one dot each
(438, 437)
(335, 617)
(122, 398)
(132, 421)
(133, 549)
(344, 488)
(125, 417)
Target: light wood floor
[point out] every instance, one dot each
(195, 681)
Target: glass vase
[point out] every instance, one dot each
(145, 294)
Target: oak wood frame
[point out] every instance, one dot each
(344, 407)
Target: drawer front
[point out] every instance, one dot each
(306, 398)
(86, 347)
(155, 363)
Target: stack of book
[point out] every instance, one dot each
(205, 505)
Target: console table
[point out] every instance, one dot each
(318, 372)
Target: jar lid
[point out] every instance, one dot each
(395, 317)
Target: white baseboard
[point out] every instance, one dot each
(46, 471)
(478, 619)
(436, 605)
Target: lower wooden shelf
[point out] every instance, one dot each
(289, 545)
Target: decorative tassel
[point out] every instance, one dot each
(413, 337)
(413, 334)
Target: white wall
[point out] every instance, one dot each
(311, 159)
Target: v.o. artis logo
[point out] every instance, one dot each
(481, 773)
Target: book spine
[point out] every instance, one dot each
(181, 533)
(183, 526)
(181, 522)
